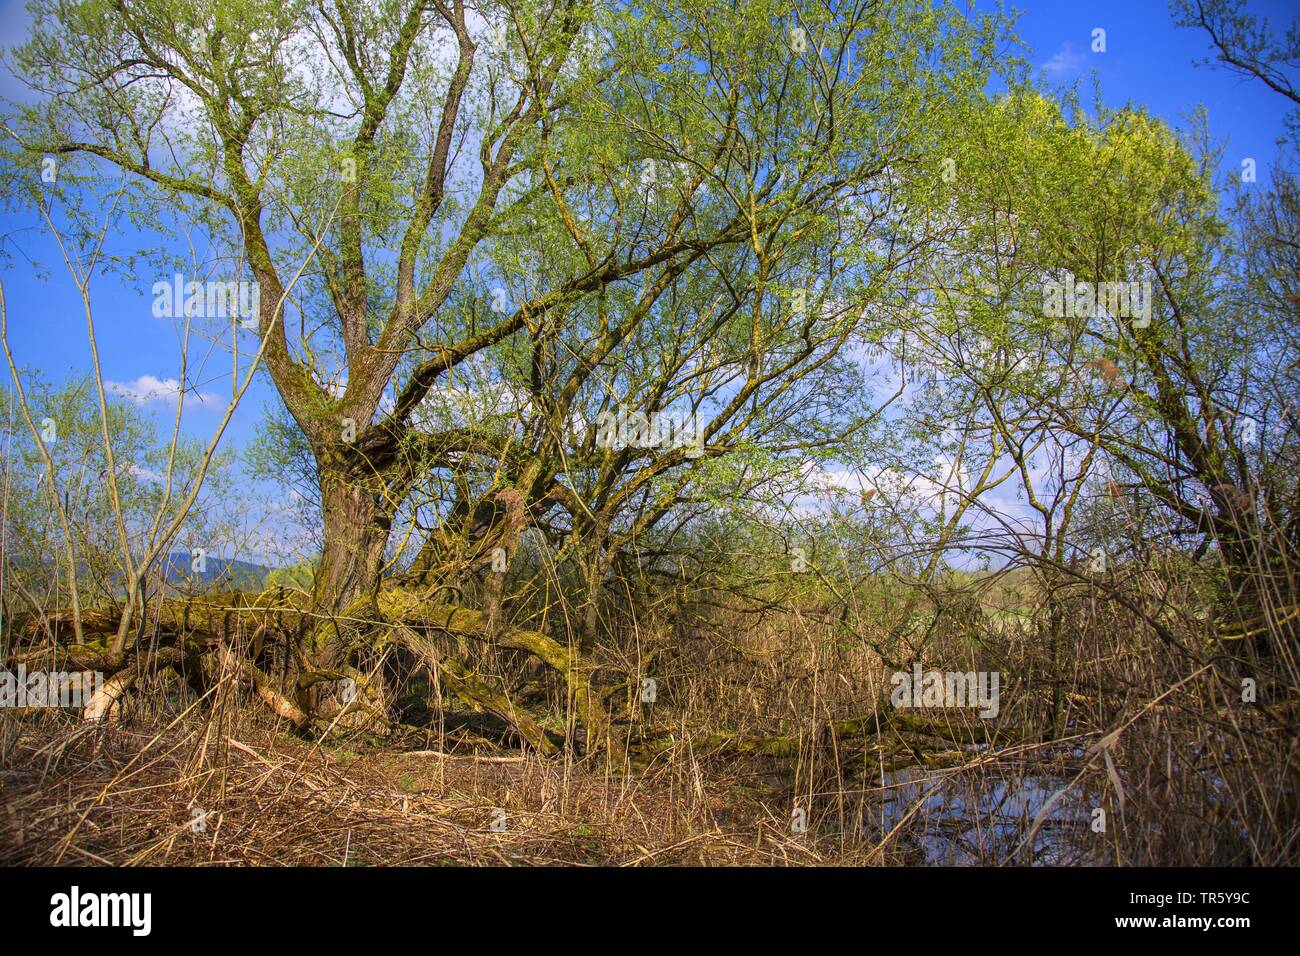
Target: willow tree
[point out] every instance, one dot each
(550, 180)
(1111, 322)
(632, 410)
(389, 120)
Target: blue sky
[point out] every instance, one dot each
(1147, 60)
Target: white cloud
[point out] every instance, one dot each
(144, 474)
(148, 389)
(1066, 62)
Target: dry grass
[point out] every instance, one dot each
(1101, 710)
(118, 796)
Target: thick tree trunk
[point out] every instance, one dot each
(356, 526)
(356, 530)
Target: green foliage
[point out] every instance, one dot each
(148, 474)
(297, 577)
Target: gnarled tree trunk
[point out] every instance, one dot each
(356, 526)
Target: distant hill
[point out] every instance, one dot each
(217, 572)
(232, 574)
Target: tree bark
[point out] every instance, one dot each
(356, 527)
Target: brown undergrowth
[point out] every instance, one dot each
(185, 795)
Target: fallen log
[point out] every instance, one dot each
(473, 690)
(404, 607)
(206, 622)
